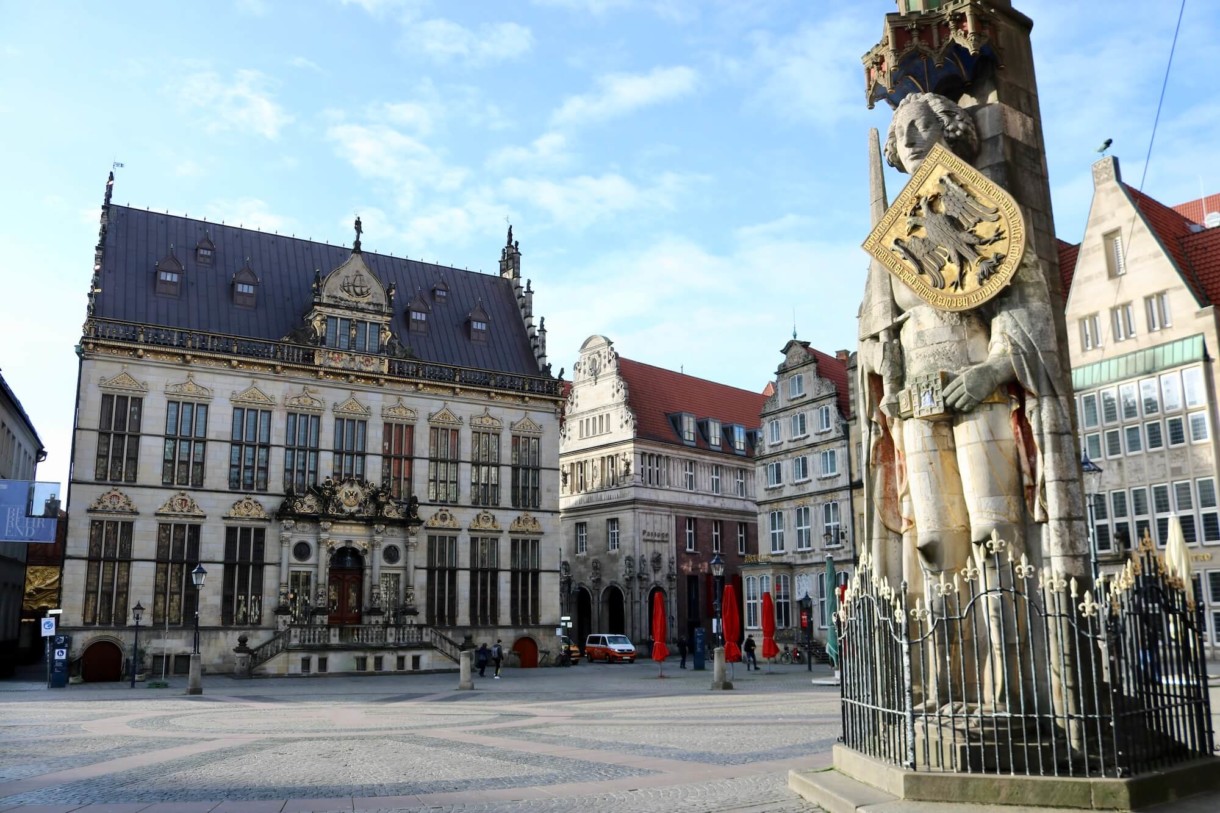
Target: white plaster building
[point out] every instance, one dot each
(657, 477)
(1143, 336)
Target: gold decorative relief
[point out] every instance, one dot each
(445, 417)
(485, 521)
(112, 502)
(253, 396)
(352, 407)
(304, 401)
(443, 518)
(526, 426)
(189, 389)
(123, 382)
(180, 504)
(247, 508)
(399, 412)
(525, 524)
(486, 421)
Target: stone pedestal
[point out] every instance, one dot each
(465, 680)
(194, 683)
(719, 678)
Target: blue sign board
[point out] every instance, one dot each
(16, 522)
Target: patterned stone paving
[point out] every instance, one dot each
(585, 738)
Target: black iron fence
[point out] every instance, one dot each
(1002, 668)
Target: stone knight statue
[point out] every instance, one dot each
(992, 462)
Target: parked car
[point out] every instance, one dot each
(609, 648)
(566, 644)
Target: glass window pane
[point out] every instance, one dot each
(1088, 410)
(1149, 395)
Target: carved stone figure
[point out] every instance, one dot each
(959, 402)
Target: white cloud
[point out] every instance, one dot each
(250, 213)
(578, 202)
(416, 116)
(547, 152)
(380, 151)
(305, 64)
(620, 94)
(242, 105)
(447, 41)
(378, 8)
(586, 6)
(814, 74)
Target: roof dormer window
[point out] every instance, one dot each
(440, 292)
(419, 321)
(169, 274)
(245, 286)
(205, 250)
(478, 320)
(688, 428)
(417, 313)
(712, 429)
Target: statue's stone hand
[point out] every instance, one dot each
(971, 386)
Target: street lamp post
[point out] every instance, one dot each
(137, 612)
(806, 604)
(718, 575)
(1092, 485)
(195, 681)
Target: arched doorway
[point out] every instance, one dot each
(346, 584)
(527, 652)
(102, 662)
(613, 611)
(584, 617)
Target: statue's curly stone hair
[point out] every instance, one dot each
(961, 133)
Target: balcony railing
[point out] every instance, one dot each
(194, 341)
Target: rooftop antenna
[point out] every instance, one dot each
(794, 324)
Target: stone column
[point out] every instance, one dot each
(285, 552)
(465, 680)
(321, 590)
(408, 598)
(376, 600)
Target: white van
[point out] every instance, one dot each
(609, 648)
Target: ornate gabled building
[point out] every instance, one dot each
(657, 477)
(808, 482)
(1141, 312)
(360, 450)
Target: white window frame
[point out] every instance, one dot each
(802, 521)
(774, 433)
(582, 538)
(1194, 388)
(1197, 425)
(1156, 309)
(1122, 321)
(824, 419)
(799, 425)
(688, 474)
(776, 528)
(1089, 401)
(800, 469)
(1116, 259)
(716, 535)
(740, 482)
(796, 386)
(742, 539)
(830, 463)
(689, 533)
(775, 474)
(1180, 422)
(1090, 332)
(832, 523)
(717, 469)
(612, 533)
(752, 602)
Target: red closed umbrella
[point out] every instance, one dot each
(732, 625)
(769, 650)
(659, 650)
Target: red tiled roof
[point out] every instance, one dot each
(1203, 253)
(1173, 230)
(654, 394)
(835, 371)
(1196, 210)
(1067, 264)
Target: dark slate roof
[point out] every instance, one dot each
(136, 240)
(8, 393)
(654, 394)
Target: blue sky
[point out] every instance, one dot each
(687, 177)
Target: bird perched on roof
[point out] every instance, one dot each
(1105, 145)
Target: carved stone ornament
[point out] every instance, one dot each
(443, 518)
(353, 407)
(304, 401)
(399, 412)
(123, 382)
(486, 421)
(485, 521)
(247, 508)
(253, 396)
(444, 417)
(525, 524)
(112, 502)
(526, 426)
(953, 236)
(188, 389)
(348, 499)
(181, 505)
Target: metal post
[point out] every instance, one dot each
(719, 612)
(1091, 499)
(809, 637)
(137, 611)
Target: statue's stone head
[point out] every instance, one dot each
(920, 121)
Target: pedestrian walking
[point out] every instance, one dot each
(481, 656)
(682, 651)
(749, 649)
(497, 657)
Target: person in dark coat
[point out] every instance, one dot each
(751, 660)
(682, 651)
(481, 657)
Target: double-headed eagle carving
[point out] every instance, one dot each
(948, 218)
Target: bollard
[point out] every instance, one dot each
(719, 680)
(465, 681)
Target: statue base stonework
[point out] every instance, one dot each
(859, 783)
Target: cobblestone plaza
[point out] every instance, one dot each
(592, 737)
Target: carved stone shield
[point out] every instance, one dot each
(953, 236)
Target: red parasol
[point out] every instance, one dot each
(659, 650)
(769, 650)
(732, 625)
